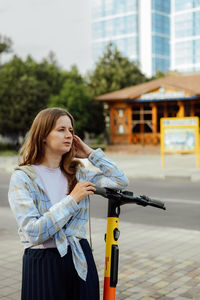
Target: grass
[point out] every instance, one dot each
(8, 152)
(95, 146)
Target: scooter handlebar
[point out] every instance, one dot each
(127, 197)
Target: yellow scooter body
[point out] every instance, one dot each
(111, 258)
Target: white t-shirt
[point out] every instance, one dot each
(54, 182)
(55, 185)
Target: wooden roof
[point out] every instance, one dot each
(189, 83)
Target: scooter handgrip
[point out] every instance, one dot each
(153, 202)
(100, 191)
(157, 203)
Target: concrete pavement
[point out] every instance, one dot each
(155, 262)
(149, 166)
(182, 166)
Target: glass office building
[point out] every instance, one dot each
(160, 15)
(139, 28)
(185, 39)
(117, 21)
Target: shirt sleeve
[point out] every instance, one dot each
(109, 175)
(36, 227)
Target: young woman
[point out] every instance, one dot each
(49, 196)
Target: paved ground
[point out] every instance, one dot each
(146, 165)
(155, 262)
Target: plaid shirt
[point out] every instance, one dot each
(39, 220)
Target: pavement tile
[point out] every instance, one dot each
(187, 295)
(181, 298)
(14, 296)
(7, 290)
(161, 284)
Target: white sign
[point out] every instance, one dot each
(163, 95)
(179, 139)
(180, 121)
(179, 135)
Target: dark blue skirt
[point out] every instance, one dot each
(48, 276)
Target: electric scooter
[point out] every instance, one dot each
(115, 200)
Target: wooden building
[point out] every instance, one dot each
(135, 111)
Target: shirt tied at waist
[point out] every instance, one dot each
(79, 260)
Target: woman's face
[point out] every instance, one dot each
(59, 140)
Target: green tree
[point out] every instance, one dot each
(5, 44)
(21, 97)
(75, 97)
(113, 71)
(49, 72)
(25, 89)
(159, 74)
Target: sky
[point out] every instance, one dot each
(37, 27)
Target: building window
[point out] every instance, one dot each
(184, 25)
(197, 51)
(121, 129)
(97, 49)
(113, 27)
(113, 7)
(103, 8)
(196, 24)
(128, 46)
(183, 5)
(109, 9)
(161, 5)
(142, 118)
(160, 24)
(109, 28)
(131, 23)
(160, 114)
(187, 24)
(97, 30)
(196, 3)
(125, 25)
(197, 109)
(160, 64)
(160, 46)
(119, 26)
(172, 109)
(121, 113)
(131, 5)
(184, 53)
(97, 9)
(187, 109)
(186, 4)
(120, 121)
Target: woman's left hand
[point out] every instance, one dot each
(81, 149)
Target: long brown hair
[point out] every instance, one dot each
(33, 149)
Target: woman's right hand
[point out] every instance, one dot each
(82, 189)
